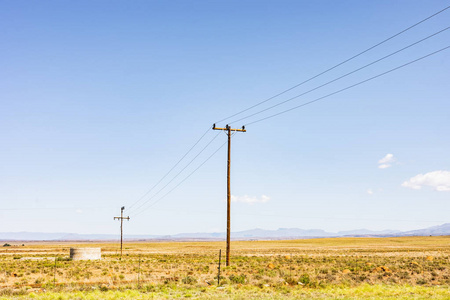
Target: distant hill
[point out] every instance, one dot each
(261, 233)
(281, 233)
(284, 233)
(443, 229)
(359, 232)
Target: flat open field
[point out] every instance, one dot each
(338, 268)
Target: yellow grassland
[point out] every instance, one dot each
(345, 268)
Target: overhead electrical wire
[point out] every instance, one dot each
(335, 66)
(285, 111)
(340, 77)
(181, 182)
(161, 189)
(348, 87)
(174, 166)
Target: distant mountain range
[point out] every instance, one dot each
(443, 229)
(254, 234)
(283, 233)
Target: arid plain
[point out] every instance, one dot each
(338, 268)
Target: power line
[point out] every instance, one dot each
(201, 151)
(349, 87)
(198, 141)
(154, 203)
(335, 66)
(340, 77)
(195, 157)
(283, 92)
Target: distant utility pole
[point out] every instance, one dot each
(228, 129)
(121, 218)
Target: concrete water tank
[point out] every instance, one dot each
(85, 253)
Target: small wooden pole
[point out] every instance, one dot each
(121, 218)
(218, 275)
(54, 273)
(139, 271)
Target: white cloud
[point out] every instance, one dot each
(438, 180)
(370, 191)
(79, 211)
(249, 199)
(386, 161)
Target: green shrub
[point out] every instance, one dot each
(421, 281)
(103, 288)
(63, 259)
(291, 280)
(189, 280)
(305, 279)
(237, 278)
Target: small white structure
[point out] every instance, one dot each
(85, 253)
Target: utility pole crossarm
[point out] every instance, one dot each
(229, 129)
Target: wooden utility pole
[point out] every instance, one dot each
(228, 129)
(121, 218)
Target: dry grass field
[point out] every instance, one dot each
(338, 268)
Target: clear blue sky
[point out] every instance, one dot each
(99, 99)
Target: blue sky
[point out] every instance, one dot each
(100, 99)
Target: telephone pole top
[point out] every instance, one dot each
(228, 130)
(121, 218)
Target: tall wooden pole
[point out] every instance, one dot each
(228, 197)
(228, 129)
